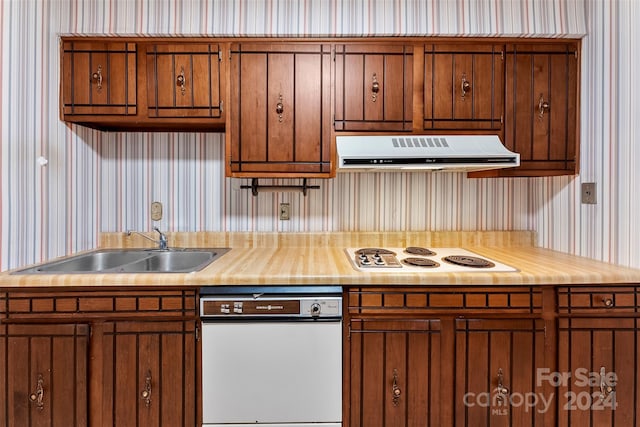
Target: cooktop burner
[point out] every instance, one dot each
(469, 261)
(420, 262)
(417, 250)
(414, 259)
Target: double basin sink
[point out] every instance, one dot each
(174, 260)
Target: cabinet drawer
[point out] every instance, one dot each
(90, 304)
(597, 299)
(442, 300)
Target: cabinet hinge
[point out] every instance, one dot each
(220, 55)
(197, 332)
(502, 55)
(502, 119)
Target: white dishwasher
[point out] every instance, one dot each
(271, 356)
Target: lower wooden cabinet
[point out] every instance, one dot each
(598, 381)
(438, 356)
(44, 375)
(105, 358)
(394, 373)
(447, 357)
(599, 371)
(147, 374)
(495, 371)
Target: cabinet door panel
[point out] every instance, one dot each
(463, 86)
(253, 96)
(491, 354)
(541, 107)
(394, 367)
(99, 78)
(587, 348)
(280, 91)
(46, 375)
(375, 71)
(373, 87)
(149, 374)
(184, 81)
(308, 106)
(280, 125)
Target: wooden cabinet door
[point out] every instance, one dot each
(148, 374)
(463, 86)
(99, 78)
(184, 80)
(599, 367)
(373, 87)
(496, 363)
(280, 110)
(394, 373)
(43, 371)
(541, 108)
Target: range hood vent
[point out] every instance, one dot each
(454, 153)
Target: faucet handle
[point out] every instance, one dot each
(162, 241)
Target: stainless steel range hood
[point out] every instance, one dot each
(454, 153)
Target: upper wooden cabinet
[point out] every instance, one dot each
(280, 110)
(463, 86)
(541, 108)
(99, 78)
(373, 87)
(184, 80)
(141, 84)
(282, 102)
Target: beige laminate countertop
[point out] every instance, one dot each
(310, 258)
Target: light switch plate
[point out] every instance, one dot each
(589, 193)
(156, 211)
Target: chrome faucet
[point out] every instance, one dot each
(161, 242)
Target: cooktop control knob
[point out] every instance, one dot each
(315, 309)
(378, 259)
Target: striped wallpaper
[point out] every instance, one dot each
(101, 181)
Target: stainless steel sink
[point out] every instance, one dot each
(169, 262)
(131, 261)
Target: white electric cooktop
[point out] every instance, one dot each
(423, 260)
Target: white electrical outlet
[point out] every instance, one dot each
(156, 211)
(589, 193)
(284, 211)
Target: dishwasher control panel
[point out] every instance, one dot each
(260, 306)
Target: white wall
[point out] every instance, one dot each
(98, 181)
